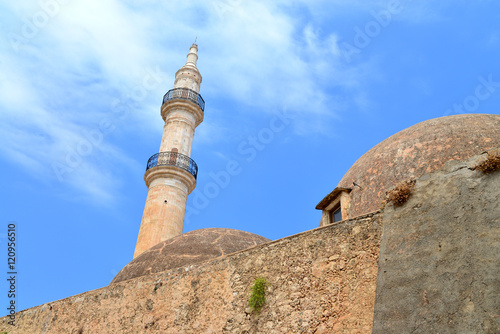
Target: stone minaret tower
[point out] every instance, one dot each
(171, 173)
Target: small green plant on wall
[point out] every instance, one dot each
(258, 295)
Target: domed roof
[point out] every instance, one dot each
(189, 248)
(417, 150)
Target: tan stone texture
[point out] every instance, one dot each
(179, 128)
(320, 281)
(163, 216)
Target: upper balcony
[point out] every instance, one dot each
(185, 94)
(173, 159)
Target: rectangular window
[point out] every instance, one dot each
(337, 215)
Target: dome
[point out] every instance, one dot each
(188, 248)
(417, 150)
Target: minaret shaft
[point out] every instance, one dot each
(171, 174)
(162, 220)
(178, 132)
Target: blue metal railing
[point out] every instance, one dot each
(173, 159)
(185, 94)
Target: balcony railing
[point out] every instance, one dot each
(185, 94)
(173, 159)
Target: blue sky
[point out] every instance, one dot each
(295, 92)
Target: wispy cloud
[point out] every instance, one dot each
(65, 81)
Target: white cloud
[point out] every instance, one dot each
(65, 79)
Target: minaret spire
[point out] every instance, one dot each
(192, 56)
(171, 174)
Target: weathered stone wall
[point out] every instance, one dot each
(439, 269)
(437, 273)
(320, 281)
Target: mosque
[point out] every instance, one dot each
(429, 265)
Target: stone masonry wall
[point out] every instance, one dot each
(439, 269)
(320, 281)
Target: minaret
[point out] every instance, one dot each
(171, 174)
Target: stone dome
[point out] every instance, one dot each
(417, 150)
(188, 248)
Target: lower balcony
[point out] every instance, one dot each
(173, 159)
